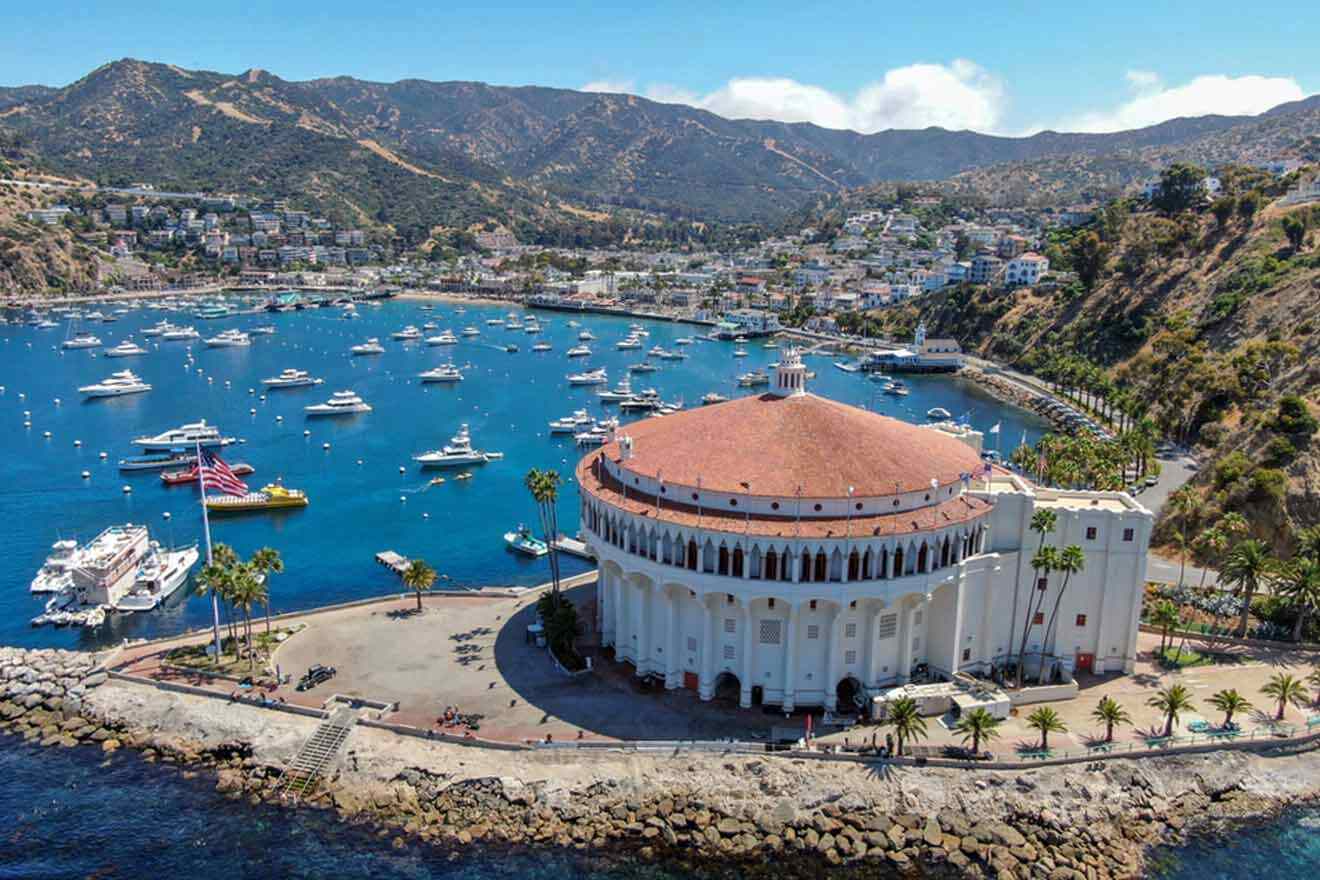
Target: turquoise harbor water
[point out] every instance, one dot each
(360, 502)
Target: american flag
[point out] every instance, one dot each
(217, 475)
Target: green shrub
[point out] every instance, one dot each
(1231, 468)
(1294, 417)
(1279, 451)
(1268, 484)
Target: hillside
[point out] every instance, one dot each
(1204, 324)
(417, 153)
(34, 256)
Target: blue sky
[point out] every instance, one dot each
(996, 67)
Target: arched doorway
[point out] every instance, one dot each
(728, 688)
(846, 694)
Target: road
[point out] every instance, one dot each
(1175, 470)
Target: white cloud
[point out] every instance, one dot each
(1153, 101)
(957, 95)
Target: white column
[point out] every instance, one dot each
(604, 607)
(833, 658)
(904, 641)
(955, 657)
(706, 683)
(790, 659)
(745, 672)
(642, 622)
(876, 609)
(622, 643)
(673, 673)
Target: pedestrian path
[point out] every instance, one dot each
(318, 753)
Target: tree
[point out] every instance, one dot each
(1286, 688)
(217, 579)
(1314, 681)
(267, 561)
(419, 577)
(1109, 713)
(1223, 209)
(544, 488)
(561, 628)
(1071, 561)
(1294, 227)
(1247, 568)
(1165, 615)
(1043, 521)
(1183, 503)
(1299, 583)
(1089, 255)
(1046, 721)
(1231, 703)
(1180, 188)
(1171, 702)
(247, 590)
(905, 718)
(979, 726)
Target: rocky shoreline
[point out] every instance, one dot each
(701, 813)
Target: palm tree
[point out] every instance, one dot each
(1044, 562)
(1286, 688)
(217, 579)
(1172, 702)
(1231, 703)
(1299, 583)
(248, 590)
(978, 725)
(906, 720)
(267, 561)
(419, 577)
(1046, 721)
(1314, 681)
(1308, 542)
(1043, 521)
(1109, 713)
(1183, 503)
(1247, 568)
(544, 488)
(1071, 561)
(1165, 615)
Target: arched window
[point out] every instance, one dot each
(868, 564)
(771, 565)
(923, 556)
(805, 574)
(854, 566)
(898, 562)
(756, 563)
(708, 557)
(722, 566)
(822, 566)
(692, 554)
(737, 566)
(836, 565)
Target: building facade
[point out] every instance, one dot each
(790, 550)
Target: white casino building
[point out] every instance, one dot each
(792, 549)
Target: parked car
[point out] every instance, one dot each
(1151, 481)
(314, 676)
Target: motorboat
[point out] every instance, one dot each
(638, 329)
(713, 397)
(229, 339)
(590, 377)
(445, 338)
(938, 413)
(161, 574)
(371, 346)
(271, 497)
(494, 322)
(630, 343)
(542, 346)
(578, 421)
(643, 367)
(740, 352)
(409, 332)
(184, 477)
(55, 573)
(579, 351)
(521, 540)
(180, 334)
(683, 340)
(456, 453)
(127, 348)
(513, 324)
(754, 378)
(263, 330)
(157, 461)
(666, 355)
(511, 348)
(341, 403)
(471, 331)
(160, 328)
(585, 336)
(82, 340)
(896, 388)
(430, 325)
(443, 373)
(846, 367)
(531, 326)
(623, 391)
(117, 385)
(291, 378)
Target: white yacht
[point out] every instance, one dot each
(82, 340)
(160, 328)
(740, 352)
(444, 373)
(598, 434)
(179, 334)
(445, 338)
(643, 367)
(585, 336)
(623, 391)
(938, 413)
(590, 377)
(638, 330)
(513, 323)
(291, 378)
(117, 385)
(630, 343)
(56, 573)
(457, 452)
(531, 326)
(580, 420)
(229, 339)
(341, 403)
(754, 378)
(430, 325)
(161, 574)
(185, 437)
(371, 346)
(494, 322)
(683, 340)
(579, 351)
(263, 330)
(541, 346)
(471, 331)
(127, 348)
(409, 332)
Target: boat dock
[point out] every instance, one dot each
(393, 561)
(573, 547)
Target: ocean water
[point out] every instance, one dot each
(361, 502)
(1286, 848)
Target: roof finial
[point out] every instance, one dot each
(790, 375)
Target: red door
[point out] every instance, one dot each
(690, 681)
(1085, 662)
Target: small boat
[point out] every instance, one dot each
(466, 475)
(532, 327)
(409, 332)
(740, 352)
(56, 573)
(542, 346)
(180, 334)
(158, 329)
(183, 477)
(754, 378)
(622, 391)
(847, 368)
(430, 325)
(341, 403)
(263, 330)
(82, 340)
(371, 346)
(117, 385)
(896, 388)
(437, 481)
(643, 367)
(713, 397)
(590, 377)
(938, 413)
(471, 331)
(229, 339)
(630, 343)
(270, 497)
(494, 322)
(157, 461)
(292, 379)
(445, 338)
(426, 308)
(579, 351)
(443, 373)
(127, 348)
(522, 541)
(683, 340)
(585, 336)
(578, 421)
(511, 348)
(770, 344)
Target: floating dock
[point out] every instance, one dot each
(393, 561)
(573, 547)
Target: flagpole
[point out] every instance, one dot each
(206, 528)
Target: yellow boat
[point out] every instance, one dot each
(271, 497)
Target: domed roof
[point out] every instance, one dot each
(776, 445)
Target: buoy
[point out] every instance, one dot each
(401, 469)
(57, 401)
(86, 475)
(252, 391)
(77, 443)
(27, 413)
(279, 418)
(325, 445)
(46, 434)
(242, 441)
(226, 383)
(127, 489)
(22, 396)
(165, 515)
(262, 398)
(252, 412)
(359, 461)
(307, 433)
(403, 497)
(426, 516)
(210, 379)
(104, 456)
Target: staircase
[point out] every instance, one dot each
(317, 754)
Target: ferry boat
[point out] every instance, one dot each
(409, 332)
(159, 577)
(82, 340)
(542, 346)
(183, 477)
(643, 367)
(456, 453)
(754, 378)
(229, 339)
(180, 334)
(185, 436)
(445, 338)
(590, 377)
(107, 565)
(271, 497)
(117, 385)
(55, 573)
(291, 378)
(127, 348)
(578, 351)
(341, 403)
(578, 421)
(471, 331)
(622, 391)
(938, 413)
(630, 343)
(371, 346)
(523, 541)
(444, 373)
